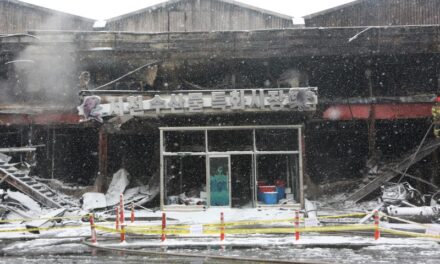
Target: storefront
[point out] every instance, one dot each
(228, 163)
(231, 166)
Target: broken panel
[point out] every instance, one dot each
(185, 180)
(184, 141)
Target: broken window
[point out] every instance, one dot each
(184, 141)
(230, 140)
(276, 140)
(185, 180)
(231, 166)
(277, 179)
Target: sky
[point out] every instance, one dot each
(104, 9)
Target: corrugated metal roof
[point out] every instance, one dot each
(171, 2)
(323, 12)
(44, 9)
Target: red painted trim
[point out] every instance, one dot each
(39, 119)
(381, 111)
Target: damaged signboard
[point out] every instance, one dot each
(273, 99)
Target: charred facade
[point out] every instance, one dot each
(376, 86)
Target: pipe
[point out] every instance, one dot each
(412, 211)
(127, 74)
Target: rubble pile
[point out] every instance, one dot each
(93, 201)
(34, 204)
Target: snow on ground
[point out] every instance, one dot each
(39, 243)
(25, 200)
(68, 239)
(272, 240)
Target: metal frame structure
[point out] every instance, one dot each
(208, 154)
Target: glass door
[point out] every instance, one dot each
(219, 180)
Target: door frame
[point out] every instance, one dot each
(300, 151)
(208, 175)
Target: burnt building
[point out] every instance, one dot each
(36, 81)
(180, 109)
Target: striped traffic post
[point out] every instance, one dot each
(222, 227)
(132, 213)
(296, 225)
(92, 229)
(122, 218)
(164, 226)
(376, 225)
(117, 218)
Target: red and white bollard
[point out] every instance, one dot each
(92, 229)
(117, 218)
(132, 213)
(164, 226)
(122, 218)
(121, 209)
(123, 233)
(222, 227)
(297, 225)
(376, 225)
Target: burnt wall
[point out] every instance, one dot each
(65, 153)
(69, 154)
(339, 150)
(392, 76)
(136, 153)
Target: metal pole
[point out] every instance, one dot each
(53, 153)
(372, 118)
(162, 189)
(103, 156)
(208, 171)
(300, 165)
(255, 172)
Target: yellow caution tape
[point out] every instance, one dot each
(42, 218)
(289, 220)
(212, 231)
(33, 229)
(407, 233)
(207, 228)
(342, 216)
(106, 229)
(159, 227)
(249, 222)
(156, 231)
(216, 226)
